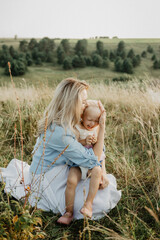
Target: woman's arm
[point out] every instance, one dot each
(74, 152)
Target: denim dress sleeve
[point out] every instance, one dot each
(72, 150)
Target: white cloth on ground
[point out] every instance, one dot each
(50, 187)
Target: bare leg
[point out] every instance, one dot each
(93, 188)
(73, 178)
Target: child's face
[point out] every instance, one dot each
(90, 117)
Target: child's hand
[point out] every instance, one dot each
(89, 140)
(94, 139)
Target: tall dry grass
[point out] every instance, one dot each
(132, 143)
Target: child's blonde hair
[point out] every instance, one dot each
(91, 103)
(65, 107)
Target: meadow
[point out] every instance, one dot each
(132, 143)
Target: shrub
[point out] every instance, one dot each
(60, 54)
(99, 47)
(18, 67)
(127, 66)
(29, 60)
(131, 54)
(112, 56)
(106, 63)
(136, 60)
(153, 58)
(118, 64)
(23, 46)
(32, 44)
(121, 79)
(144, 54)
(67, 63)
(81, 47)
(88, 60)
(97, 60)
(105, 53)
(46, 45)
(156, 64)
(149, 49)
(66, 46)
(78, 61)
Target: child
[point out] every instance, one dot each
(88, 130)
(87, 135)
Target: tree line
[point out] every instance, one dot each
(36, 53)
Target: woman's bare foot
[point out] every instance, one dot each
(66, 218)
(86, 210)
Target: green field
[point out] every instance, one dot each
(49, 74)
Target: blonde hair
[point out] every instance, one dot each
(91, 103)
(65, 107)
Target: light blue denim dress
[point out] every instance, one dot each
(60, 147)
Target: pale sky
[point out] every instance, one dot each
(80, 18)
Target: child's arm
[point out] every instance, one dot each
(94, 138)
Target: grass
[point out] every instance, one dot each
(132, 149)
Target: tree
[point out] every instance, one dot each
(29, 60)
(127, 66)
(88, 60)
(105, 53)
(136, 60)
(23, 46)
(144, 54)
(149, 49)
(78, 61)
(18, 67)
(5, 57)
(153, 57)
(4, 47)
(121, 46)
(112, 56)
(156, 64)
(118, 64)
(13, 52)
(99, 46)
(81, 47)
(66, 46)
(32, 44)
(50, 58)
(121, 50)
(97, 60)
(60, 54)
(105, 63)
(67, 63)
(46, 45)
(131, 53)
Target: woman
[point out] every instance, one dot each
(57, 148)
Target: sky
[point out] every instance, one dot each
(79, 18)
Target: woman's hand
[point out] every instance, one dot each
(104, 181)
(102, 118)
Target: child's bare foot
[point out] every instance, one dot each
(86, 210)
(66, 218)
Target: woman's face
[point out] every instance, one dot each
(83, 98)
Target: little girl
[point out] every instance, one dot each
(88, 130)
(87, 136)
